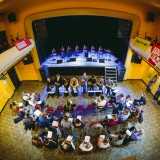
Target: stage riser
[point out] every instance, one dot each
(76, 71)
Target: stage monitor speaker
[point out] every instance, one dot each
(136, 59)
(150, 16)
(121, 74)
(44, 73)
(59, 61)
(27, 60)
(101, 60)
(89, 59)
(72, 59)
(11, 17)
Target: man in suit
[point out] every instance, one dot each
(58, 83)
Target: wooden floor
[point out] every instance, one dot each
(16, 145)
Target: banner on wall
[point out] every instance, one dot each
(141, 43)
(22, 43)
(154, 56)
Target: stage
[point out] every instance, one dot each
(79, 62)
(81, 59)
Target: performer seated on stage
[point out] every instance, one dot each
(109, 85)
(69, 49)
(77, 48)
(84, 80)
(74, 84)
(84, 48)
(58, 83)
(53, 52)
(66, 82)
(62, 49)
(93, 49)
(92, 83)
(100, 50)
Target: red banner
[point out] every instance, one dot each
(22, 43)
(154, 57)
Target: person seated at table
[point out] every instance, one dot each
(93, 49)
(111, 120)
(58, 84)
(100, 50)
(66, 82)
(103, 142)
(29, 122)
(86, 145)
(53, 52)
(141, 101)
(84, 80)
(77, 48)
(74, 84)
(77, 123)
(43, 121)
(123, 115)
(84, 48)
(68, 144)
(68, 108)
(92, 82)
(62, 49)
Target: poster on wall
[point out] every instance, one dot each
(154, 56)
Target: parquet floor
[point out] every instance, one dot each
(16, 145)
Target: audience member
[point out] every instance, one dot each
(68, 144)
(103, 142)
(86, 145)
(123, 115)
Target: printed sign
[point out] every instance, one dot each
(141, 43)
(154, 57)
(22, 43)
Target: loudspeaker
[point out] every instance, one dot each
(11, 17)
(89, 59)
(59, 61)
(150, 16)
(72, 59)
(27, 60)
(44, 73)
(101, 60)
(122, 73)
(136, 59)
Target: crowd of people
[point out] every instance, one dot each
(71, 86)
(64, 126)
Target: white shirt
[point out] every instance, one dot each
(83, 147)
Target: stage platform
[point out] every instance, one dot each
(81, 59)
